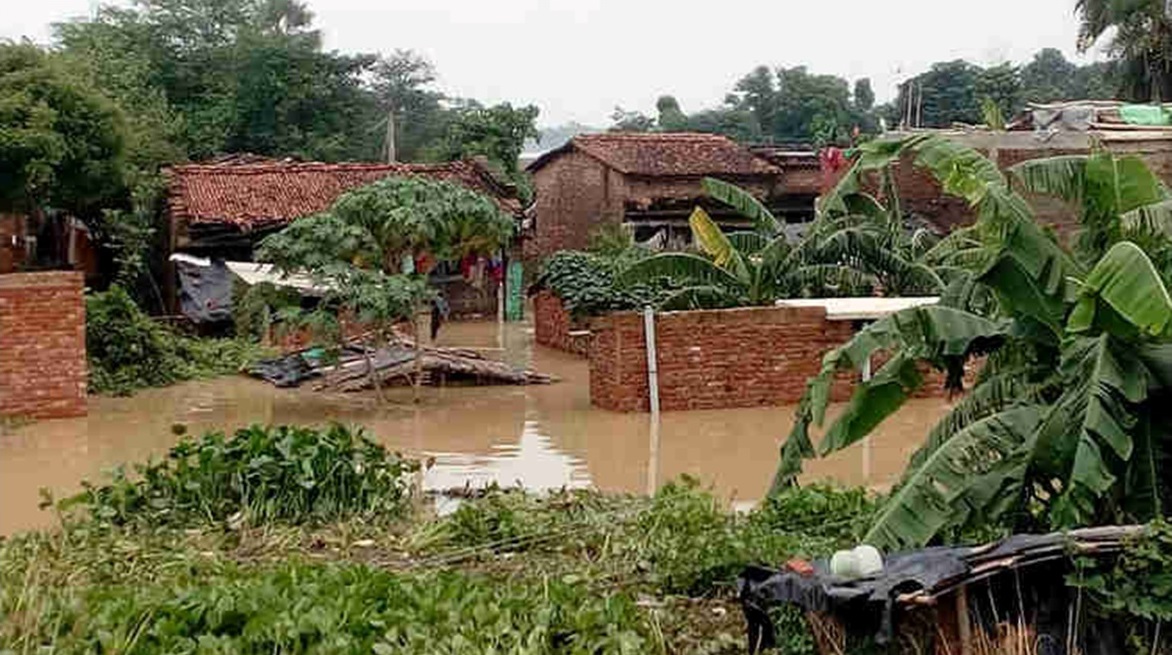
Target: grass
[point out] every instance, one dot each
(155, 562)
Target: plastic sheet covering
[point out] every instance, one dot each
(205, 290)
(1144, 115)
(866, 606)
(288, 371)
(1077, 118)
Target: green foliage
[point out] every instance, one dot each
(239, 76)
(1065, 425)
(955, 91)
(256, 476)
(301, 607)
(62, 144)
(564, 572)
(199, 78)
(1141, 36)
(587, 283)
(497, 133)
(681, 541)
(1139, 583)
(1049, 77)
(376, 226)
(256, 308)
(855, 247)
(127, 350)
(357, 249)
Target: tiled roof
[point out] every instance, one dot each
(665, 154)
(254, 195)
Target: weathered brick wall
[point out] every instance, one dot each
(552, 325)
(574, 194)
(42, 345)
(713, 359)
(643, 191)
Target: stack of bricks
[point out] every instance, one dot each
(714, 359)
(555, 328)
(42, 345)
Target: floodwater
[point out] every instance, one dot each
(541, 436)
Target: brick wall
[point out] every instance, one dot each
(552, 325)
(42, 345)
(713, 359)
(724, 358)
(574, 194)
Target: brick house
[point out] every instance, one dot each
(650, 183)
(222, 210)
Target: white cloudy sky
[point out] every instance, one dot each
(578, 59)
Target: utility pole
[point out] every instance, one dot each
(390, 145)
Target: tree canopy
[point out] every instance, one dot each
(62, 144)
(225, 76)
(1140, 42)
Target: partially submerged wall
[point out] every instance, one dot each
(42, 345)
(713, 359)
(716, 359)
(555, 328)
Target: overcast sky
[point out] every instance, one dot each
(578, 59)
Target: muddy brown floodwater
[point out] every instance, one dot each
(540, 437)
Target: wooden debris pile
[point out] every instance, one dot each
(357, 368)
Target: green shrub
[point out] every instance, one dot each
(293, 474)
(127, 350)
(587, 286)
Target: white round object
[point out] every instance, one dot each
(844, 564)
(868, 561)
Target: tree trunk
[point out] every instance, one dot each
(378, 389)
(418, 355)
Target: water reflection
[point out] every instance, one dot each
(540, 437)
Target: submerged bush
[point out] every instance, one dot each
(127, 350)
(287, 473)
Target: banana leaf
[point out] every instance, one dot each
(714, 242)
(744, 202)
(963, 476)
(685, 268)
(1125, 280)
(942, 336)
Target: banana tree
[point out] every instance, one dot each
(1066, 423)
(859, 232)
(1106, 189)
(754, 267)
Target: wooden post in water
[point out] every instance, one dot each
(866, 375)
(652, 359)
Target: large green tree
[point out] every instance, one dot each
(1140, 40)
(236, 75)
(62, 144)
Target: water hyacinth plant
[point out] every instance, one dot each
(260, 474)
